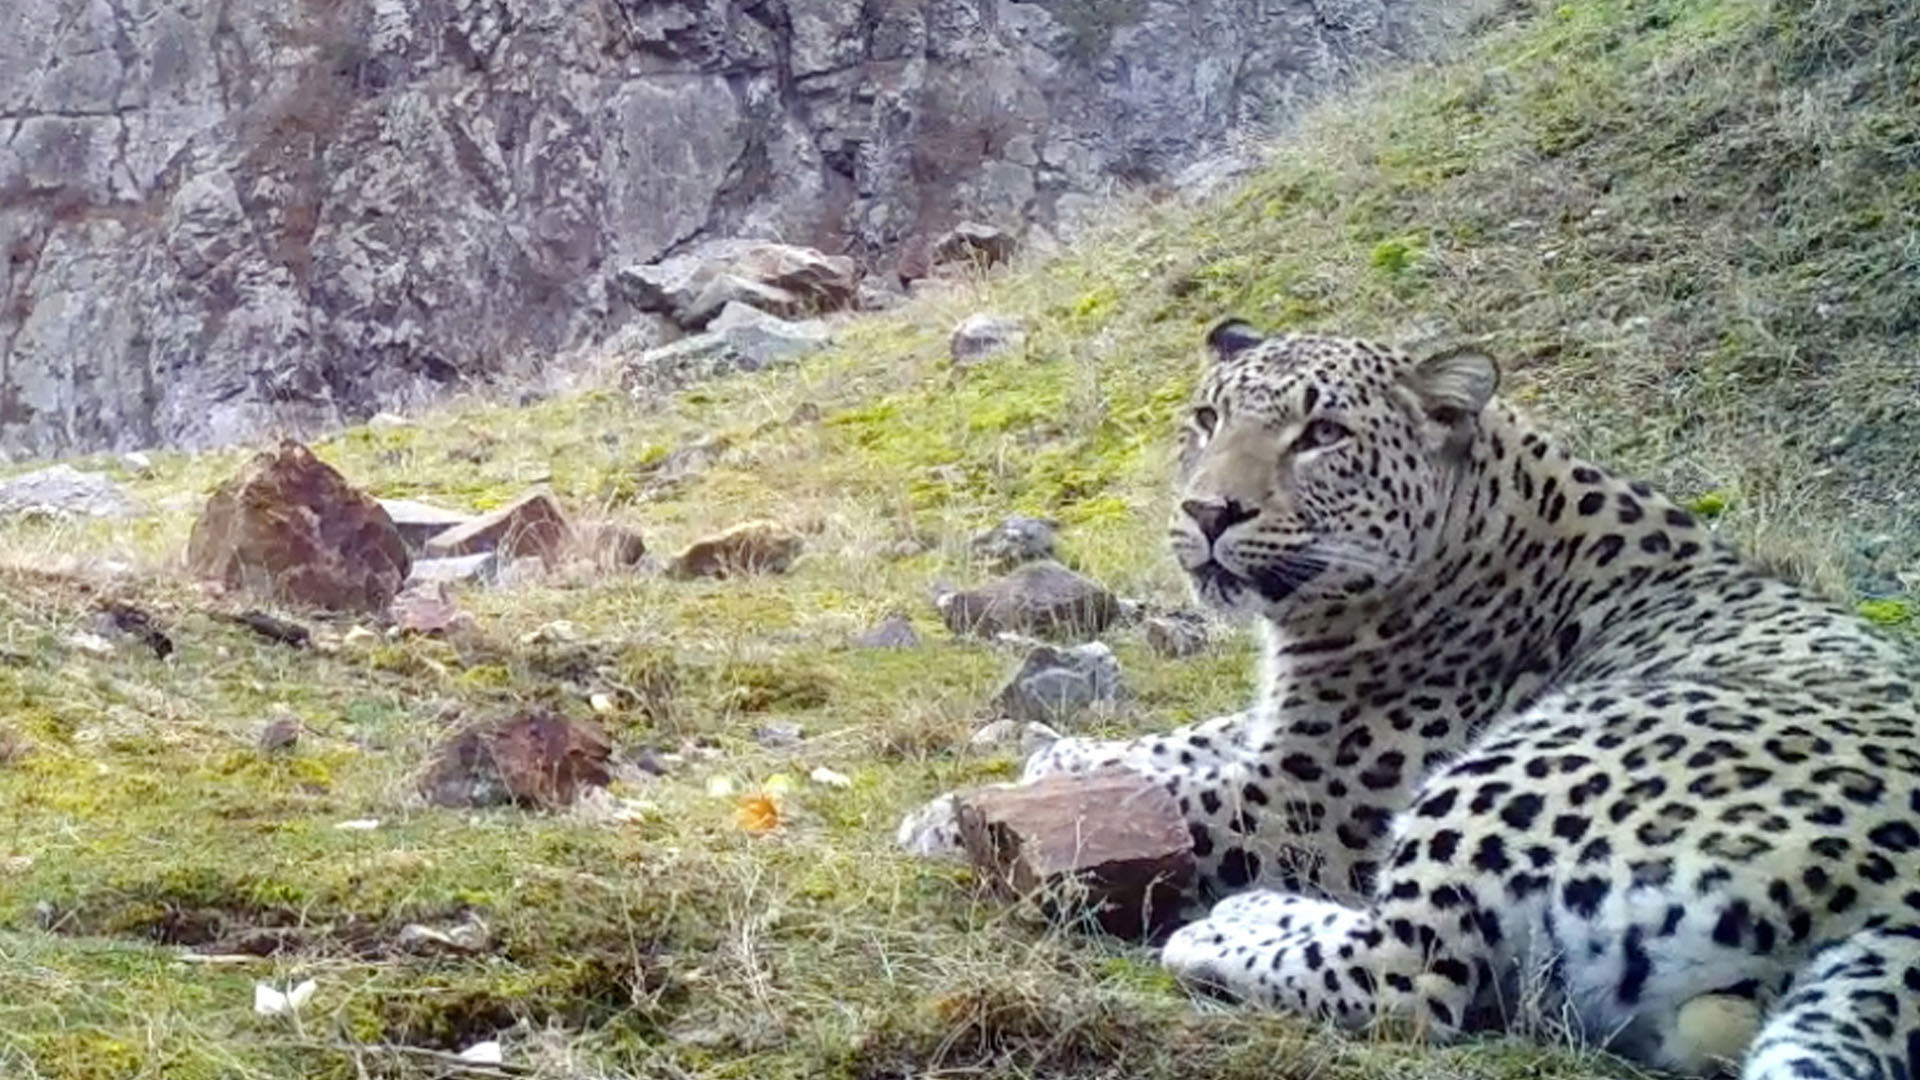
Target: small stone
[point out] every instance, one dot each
(291, 528)
(275, 629)
(360, 636)
(481, 568)
(753, 547)
(905, 549)
(973, 242)
(1054, 684)
(879, 293)
(1016, 541)
(1112, 845)
(89, 642)
(419, 522)
(468, 937)
(138, 463)
(535, 759)
(1030, 737)
(62, 490)
(620, 547)
(532, 525)
(1041, 598)
(780, 735)
(427, 608)
(1177, 634)
(981, 335)
(115, 617)
(280, 733)
(650, 761)
(894, 632)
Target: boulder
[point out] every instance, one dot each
(822, 282)
(727, 290)
(780, 279)
(894, 632)
(1041, 598)
(289, 527)
(753, 547)
(1177, 634)
(534, 759)
(1111, 845)
(972, 242)
(1016, 541)
(1053, 684)
(532, 526)
(64, 490)
(981, 335)
(765, 338)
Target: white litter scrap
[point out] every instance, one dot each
(270, 1001)
(483, 1053)
(830, 778)
(358, 825)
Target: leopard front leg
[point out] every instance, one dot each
(1355, 967)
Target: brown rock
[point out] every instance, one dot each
(280, 734)
(1042, 598)
(291, 528)
(972, 242)
(536, 759)
(619, 547)
(915, 260)
(751, 547)
(532, 526)
(1112, 845)
(822, 282)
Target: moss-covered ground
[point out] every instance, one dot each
(1690, 228)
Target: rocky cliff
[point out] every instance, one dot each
(225, 217)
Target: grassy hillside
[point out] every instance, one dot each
(1689, 227)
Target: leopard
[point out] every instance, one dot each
(1530, 738)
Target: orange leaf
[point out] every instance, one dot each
(758, 813)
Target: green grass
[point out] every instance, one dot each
(1686, 226)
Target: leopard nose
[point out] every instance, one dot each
(1216, 516)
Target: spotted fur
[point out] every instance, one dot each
(1526, 730)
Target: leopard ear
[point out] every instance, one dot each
(1230, 337)
(1455, 385)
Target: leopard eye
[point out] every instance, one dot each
(1320, 433)
(1207, 418)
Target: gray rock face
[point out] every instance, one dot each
(221, 219)
(63, 489)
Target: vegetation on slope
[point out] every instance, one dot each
(1687, 226)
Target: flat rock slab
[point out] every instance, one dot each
(1041, 598)
(483, 568)
(419, 522)
(1111, 845)
(63, 489)
(531, 526)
